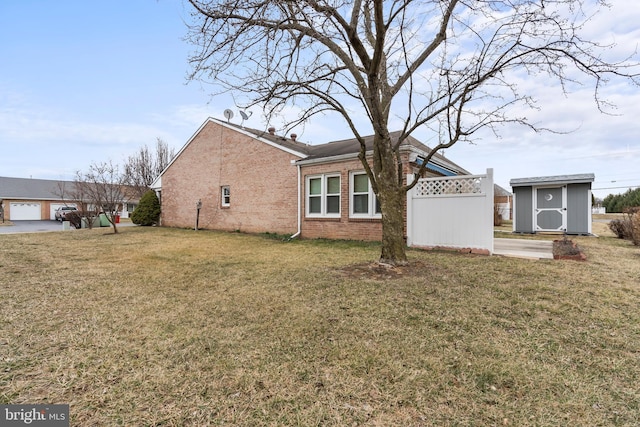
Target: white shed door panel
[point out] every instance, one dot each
(25, 211)
(551, 209)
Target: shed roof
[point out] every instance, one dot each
(557, 179)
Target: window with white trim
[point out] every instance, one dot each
(225, 192)
(323, 196)
(364, 203)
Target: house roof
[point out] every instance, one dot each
(40, 189)
(499, 191)
(293, 147)
(351, 147)
(27, 188)
(286, 143)
(330, 151)
(557, 179)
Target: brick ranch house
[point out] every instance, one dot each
(24, 199)
(30, 199)
(254, 181)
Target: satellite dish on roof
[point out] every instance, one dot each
(244, 116)
(228, 114)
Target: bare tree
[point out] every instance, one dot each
(102, 187)
(445, 64)
(141, 169)
(72, 193)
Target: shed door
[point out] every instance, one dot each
(551, 209)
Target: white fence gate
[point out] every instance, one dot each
(452, 212)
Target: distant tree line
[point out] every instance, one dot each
(620, 202)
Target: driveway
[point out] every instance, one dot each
(30, 227)
(523, 248)
(38, 226)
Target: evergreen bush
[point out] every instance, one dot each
(148, 210)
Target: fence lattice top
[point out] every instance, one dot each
(449, 185)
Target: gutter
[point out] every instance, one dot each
(299, 207)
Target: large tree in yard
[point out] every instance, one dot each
(449, 65)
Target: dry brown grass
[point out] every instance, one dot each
(173, 327)
(607, 216)
(506, 226)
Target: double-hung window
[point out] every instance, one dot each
(225, 193)
(323, 196)
(364, 203)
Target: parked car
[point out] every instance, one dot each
(62, 212)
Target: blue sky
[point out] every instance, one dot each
(91, 81)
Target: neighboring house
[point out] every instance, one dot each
(38, 199)
(31, 199)
(238, 179)
(503, 200)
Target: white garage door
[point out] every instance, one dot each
(52, 209)
(54, 206)
(25, 211)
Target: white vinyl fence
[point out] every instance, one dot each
(452, 212)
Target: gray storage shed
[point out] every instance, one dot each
(553, 204)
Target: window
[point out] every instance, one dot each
(364, 203)
(226, 196)
(323, 196)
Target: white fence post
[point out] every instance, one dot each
(410, 211)
(490, 208)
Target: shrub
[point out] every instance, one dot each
(148, 211)
(628, 227)
(635, 226)
(620, 228)
(74, 218)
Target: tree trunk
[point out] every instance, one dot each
(393, 245)
(391, 197)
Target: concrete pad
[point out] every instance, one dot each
(523, 248)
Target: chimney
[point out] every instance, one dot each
(272, 130)
(293, 136)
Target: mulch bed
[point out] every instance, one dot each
(567, 249)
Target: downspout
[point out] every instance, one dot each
(299, 213)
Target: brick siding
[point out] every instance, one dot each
(261, 178)
(343, 227)
(263, 183)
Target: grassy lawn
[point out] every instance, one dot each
(179, 328)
